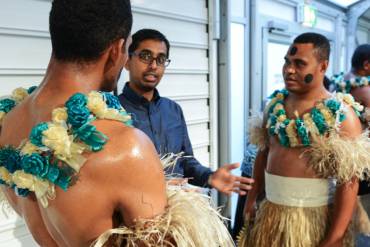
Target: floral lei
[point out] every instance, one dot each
(53, 153)
(345, 86)
(326, 115)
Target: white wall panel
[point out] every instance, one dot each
(185, 58)
(362, 36)
(175, 30)
(325, 24)
(200, 152)
(25, 14)
(24, 52)
(9, 82)
(199, 133)
(277, 9)
(182, 85)
(189, 8)
(195, 109)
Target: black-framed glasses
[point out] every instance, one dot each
(148, 58)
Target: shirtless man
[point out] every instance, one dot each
(121, 180)
(360, 70)
(292, 164)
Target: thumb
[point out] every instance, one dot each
(232, 166)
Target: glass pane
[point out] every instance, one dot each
(237, 67)
(275, 62)
(237, 8)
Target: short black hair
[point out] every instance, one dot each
(320, 43)
(145, 34)
(361, 54)
(81, 30)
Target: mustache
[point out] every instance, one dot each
(150, 73)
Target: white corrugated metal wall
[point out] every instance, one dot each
(25, 49)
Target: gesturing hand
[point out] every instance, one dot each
(225, 182)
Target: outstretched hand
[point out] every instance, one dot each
(225, 182)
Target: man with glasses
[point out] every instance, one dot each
(162, 119)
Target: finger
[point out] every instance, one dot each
(244, 180)
(240, 192)
(231, 166)
(244, 187)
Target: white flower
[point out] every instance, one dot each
(56, 138)
(96, 104)
(59, 115)
(19, 94)
(29, 148)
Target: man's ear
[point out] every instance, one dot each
(366, 65)
(115, 53)
(127, 64)
(324, 66)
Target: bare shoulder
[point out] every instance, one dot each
(361, 94)
(127, 149)
(129, 171)
(351, 126)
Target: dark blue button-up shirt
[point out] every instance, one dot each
(163, 121)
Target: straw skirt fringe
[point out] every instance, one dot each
(285, 226)
(189, 221)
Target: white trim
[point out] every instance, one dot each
(188, 97)
(197, 121)
(24, 32)
(22, 71)
(187, 71)
(168, 15)
(200, 145)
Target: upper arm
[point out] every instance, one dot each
(133, 175)
(361, 94)
(351, 126)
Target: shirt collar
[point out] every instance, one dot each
(132, 96)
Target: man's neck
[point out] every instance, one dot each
(359, 72)
(70, 78)
(148, 95)
(313, 95)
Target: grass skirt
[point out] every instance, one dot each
(285, 226)
(189, 221)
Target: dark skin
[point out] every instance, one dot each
(124, 178)
(144, 78)
(277, 159)
(361, 94)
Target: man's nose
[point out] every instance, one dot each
(153, 64)
(289, 69)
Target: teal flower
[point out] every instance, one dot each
(21, 192)
(302, 132)
(284, 140)
(78, 99)
(31, 89)
(36, 134)
(90, 136)
(333, 105)
(319, 120)
(273, 120)
(111, 101)
(10, 158)
(6, 105)
(78, 113)
(53, 174)
(63, 182)
(35, 164)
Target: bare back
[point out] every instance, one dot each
(116, 185)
